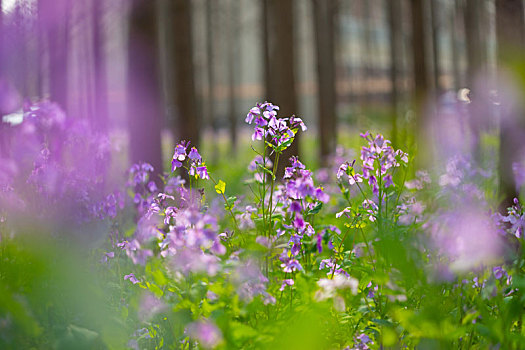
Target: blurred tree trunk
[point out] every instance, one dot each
(367, 55)
(474, 38)
(455, 17)
(420, 65)
(510, 31)
(41, 43)
(210, 108)
(266, 47)
(55, 15)
(187, 125)
(21, 68)
(233, 68)
(396, 38)
(323, 14)
(100, 118)
(144, 95)
(3, 141)
(281, 65)
(435, 7)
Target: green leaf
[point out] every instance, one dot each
(316, 209)
(220, 188)
(242, 332)
(155, 289)
(230, 203)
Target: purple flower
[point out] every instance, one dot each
(202, 172)
(205, 332)
(252, 114)
(258, 134)
(298, 222)
(260, 121)
(388, 181)
(131, 278)
(346, 211)
(250, 282)
(297, 122)
(321, 195)
(291, 266)
(107, 256)
(295, 207)
(180, 151)
(149, 306)
(320, 243)
(286, 282)
(342, 170)
(175, 163)
(498, 272)
(194, 154)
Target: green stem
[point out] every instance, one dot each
(227, 206)
(340, 246)
(270, 204)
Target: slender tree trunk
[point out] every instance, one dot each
(41, 37)
(476, 67)
(55, 16)
(435, 8)
(3, 138)
(210, 39)
(144, 95)
(473, 39)
(419, 62)
(281, 78)
(395, 31)
(187, 126)
(233, 68)
(100, 119)
(455, 17)
(367, 55)
(21, 69)
(266, 46)
(323, 14)
(510, 29)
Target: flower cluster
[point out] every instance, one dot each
(54, 169)
(300, 199)
(377, 158)
(195, 165)
(281, 131)
(514, 220)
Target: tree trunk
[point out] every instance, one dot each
(266, 47)
(395, 31)
(210, 103)
(323, 14)
(100, 118)
(55, 16)
(473, 39)
(454, 41)
(476, 66)
(281, 83)
(233, 68)
(435, 8)
(187, 125)
(510, 29)
(144, 95)
(419, 64)
(3, 138)
(367, 60)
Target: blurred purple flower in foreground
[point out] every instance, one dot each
(205, 332)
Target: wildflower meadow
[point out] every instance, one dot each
(370, 252)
